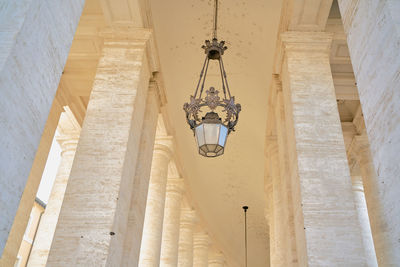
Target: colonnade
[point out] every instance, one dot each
(316, 198)
(69, 131)
(177, 243)
(123, 207)
(154, 232)
(306, 142)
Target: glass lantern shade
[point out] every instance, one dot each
(211, 138)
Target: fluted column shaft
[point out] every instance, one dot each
(170, 234)
(185, 249)
(216, 259)
(48, 222)
(201, 243)
(154, 215)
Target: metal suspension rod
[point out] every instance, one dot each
(204, 78)
(222, 77)
(245, 208)
(226, 80)
(215, 19)
(201, 75)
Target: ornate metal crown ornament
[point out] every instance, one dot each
(211, 130)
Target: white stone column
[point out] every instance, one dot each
(68, 141)
(94, 216)
(133, 238)
(185, 248)
(373, 37)
(170, 233)
(201, 243)
(29, 77)
(359, 150)
(153, 220)
(361, 206)
(325, 214)
(216, 259)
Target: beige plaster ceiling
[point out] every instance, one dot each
(221, 186)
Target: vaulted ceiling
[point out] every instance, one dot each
(221, 186)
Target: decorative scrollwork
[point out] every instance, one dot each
(232, 112)
(212, 101)
(192, 110)
(214, 51)
(212, 98)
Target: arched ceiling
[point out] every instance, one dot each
(221, 186)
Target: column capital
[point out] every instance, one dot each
(357, 183)
(68, 143)
(175, 186)
(69, 131)
(216, 257)
(164, 145)
(201, 239)
(306, 41)
(188, 218)
(126, 32)
(293, 41)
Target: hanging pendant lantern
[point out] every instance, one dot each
(212, 129)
